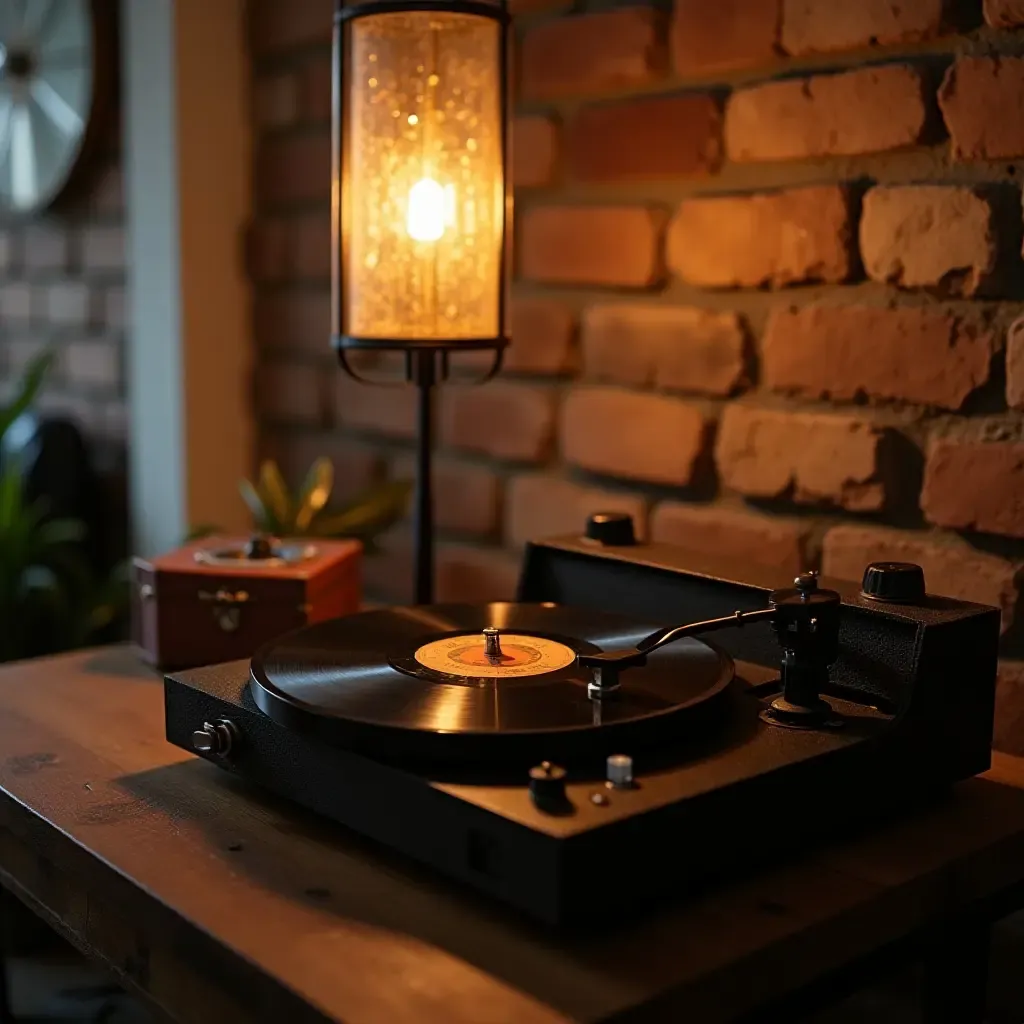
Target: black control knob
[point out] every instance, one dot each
(547, 786)
(893, 582)
(613, 529)
(259, 547)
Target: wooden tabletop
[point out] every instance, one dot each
(222, 903)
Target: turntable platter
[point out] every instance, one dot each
(488, 682)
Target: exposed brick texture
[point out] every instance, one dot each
(46, 247)
(913, 354)
(599, 245)
(1015, 365)
(506, 421)
(592, 53)
(869, 110)
(542, 337)
(743, 536)
(1004, 13)
(637, 437)
(677, 348)
(767, 292)
(807, 457)
(747, 241)
(667, 137)
(975, 486)
(982, 101)
(721, 36)
(540, 505)
(952, 568)
(815, 26)
(928, 236)
(534, 151)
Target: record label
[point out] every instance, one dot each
(519, 656)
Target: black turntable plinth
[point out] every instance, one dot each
(589, 748)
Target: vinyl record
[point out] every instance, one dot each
(419, 682)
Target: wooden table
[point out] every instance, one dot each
(222, 904)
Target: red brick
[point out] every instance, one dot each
(781, 238)
(809, 458)
(541, 506)
(818, 26)
(291, 393)
(952, 568)
(724, 34)
(379, 409)
(928, 236)
(639, 437)
(315, 85)
(666, 137)
(592, 53)
(868, 110)
(974, 485)
(506, 421)
(1004, 13)
(103, 249)
(356, 465)
(982, 101)
(292, 168)
(519, 7)
(91, 364)
(773, 541)
(19, 352)
(15, 303)
(69, 304)
(466, 495)
(475, 574)
(599, 245)
(677, 348)
(299, 321)
(914, 354)
(276, 100)
(542, 337)
(296, 248)
(387, 573)
(534, 151)
(45, 247)
(275, 27)
(1008, 727)
(1015, 365)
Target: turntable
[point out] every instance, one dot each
(640, 720)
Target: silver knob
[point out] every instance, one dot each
(620, 771)
(218, 738)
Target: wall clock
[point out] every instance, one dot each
(56, 63)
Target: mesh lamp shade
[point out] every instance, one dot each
(420, 155)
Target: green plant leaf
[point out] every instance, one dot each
(11, 498)
(370, 514)
(274, 492)
(28, 387)
(61, 531)
(203, 530)
(315, 492)
(263, 518)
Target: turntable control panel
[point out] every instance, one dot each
(495, 655)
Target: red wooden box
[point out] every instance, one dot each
(207, 602)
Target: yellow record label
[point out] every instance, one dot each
(518, 656)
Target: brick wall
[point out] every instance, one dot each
(768, 283)
(62, 288)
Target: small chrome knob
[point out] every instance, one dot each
(806, 582)
(492, 642)
(619, 769)
(217, 738)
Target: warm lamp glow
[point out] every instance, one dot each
(423, 192)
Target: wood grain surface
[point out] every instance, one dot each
(219, 902)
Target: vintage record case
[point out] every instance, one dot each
(210, 601)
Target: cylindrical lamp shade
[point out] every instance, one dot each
(420, 168)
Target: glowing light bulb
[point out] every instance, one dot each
(431, 209)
